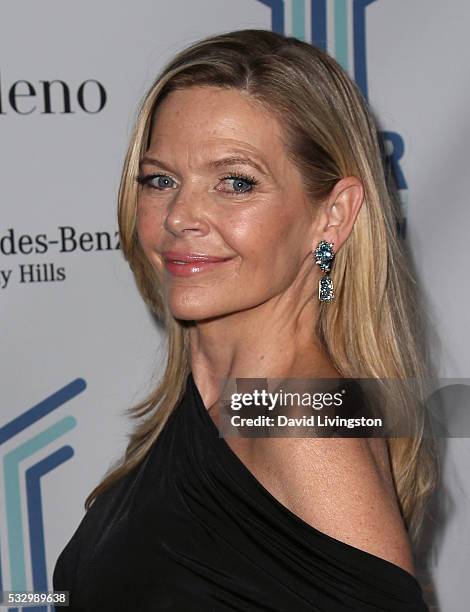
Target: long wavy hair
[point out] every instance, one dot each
(374, 327)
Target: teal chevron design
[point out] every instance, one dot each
(15, 481)
(11, 470)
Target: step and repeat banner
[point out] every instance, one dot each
(78, 346)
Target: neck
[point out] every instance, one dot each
(265, 341)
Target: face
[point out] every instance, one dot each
(219, 193)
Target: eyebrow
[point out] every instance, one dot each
(230, 160)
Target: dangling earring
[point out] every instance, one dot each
(324, 256)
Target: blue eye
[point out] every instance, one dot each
(162, 181)
(239, 179)
(237, 182)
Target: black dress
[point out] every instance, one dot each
(192, 529)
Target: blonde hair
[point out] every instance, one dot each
(373, 328)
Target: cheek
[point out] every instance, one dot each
(149, 226)
(268, 241)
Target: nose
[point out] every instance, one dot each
(185, 214)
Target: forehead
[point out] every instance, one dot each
(204, 121)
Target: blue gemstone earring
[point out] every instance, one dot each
(324, 256)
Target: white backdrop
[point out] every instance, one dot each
(72, 320)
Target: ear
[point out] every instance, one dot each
(336, 218)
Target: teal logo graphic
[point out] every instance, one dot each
(22, 498)
(339, 27)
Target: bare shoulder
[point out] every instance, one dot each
(341, 486)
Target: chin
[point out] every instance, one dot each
(187, 310)
(192, 311)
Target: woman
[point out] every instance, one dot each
(253, 165)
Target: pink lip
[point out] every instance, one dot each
(194, 263)
(191, 257)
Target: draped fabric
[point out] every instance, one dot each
(192, 529)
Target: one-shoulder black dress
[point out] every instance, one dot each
(191, 529)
